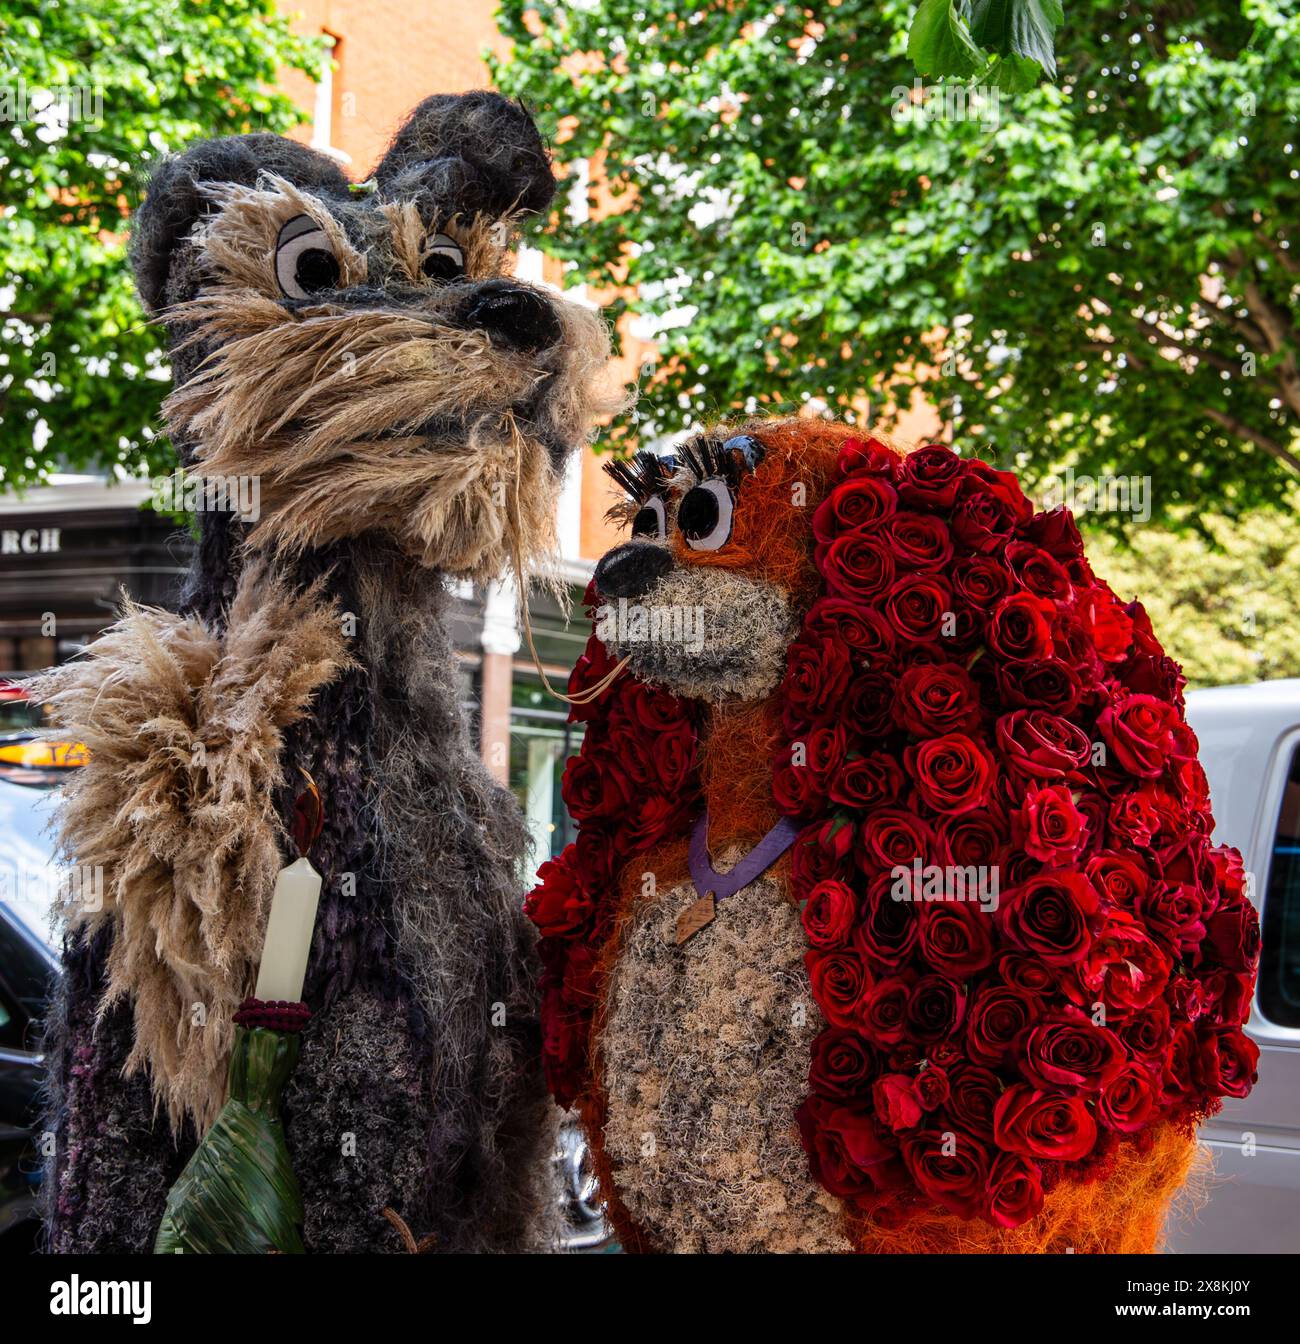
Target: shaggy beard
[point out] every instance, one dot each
(375, 421)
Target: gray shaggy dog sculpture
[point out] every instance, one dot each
(407, 410)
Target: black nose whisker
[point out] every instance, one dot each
(632, 569)
(514, 316)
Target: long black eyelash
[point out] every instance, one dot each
(642, 475)
(710, 456)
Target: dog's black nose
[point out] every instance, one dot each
(519, 318)
(630, 570)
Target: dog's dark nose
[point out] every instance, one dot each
(630, 570)
(519, 318)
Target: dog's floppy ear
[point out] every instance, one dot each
(468, 153)
(175, 200)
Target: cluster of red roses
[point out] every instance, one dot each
(968, 696)
(633, 784)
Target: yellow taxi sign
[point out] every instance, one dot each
(44, 755)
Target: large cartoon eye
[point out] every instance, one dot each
(442, 259)
(651, 519)
(305, 263)
(704, 515)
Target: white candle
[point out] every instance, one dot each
(288, 933)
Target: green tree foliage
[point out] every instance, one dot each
(92, 92)
(1222, 604)
(1101, 272)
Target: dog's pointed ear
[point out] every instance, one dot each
(175, 199)
(468, 153)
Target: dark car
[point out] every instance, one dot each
(28, 965)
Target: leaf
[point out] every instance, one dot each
(1023, 28)
(939, 43)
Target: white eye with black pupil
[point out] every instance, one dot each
(305, 263)
(651, 519)
(442, 259)
(704, 515)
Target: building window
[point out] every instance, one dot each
(541, 741)
(1279, 969)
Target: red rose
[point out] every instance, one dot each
(1135, 819)
(867, 782)
(558, 904)
(1021, 627)
(591, 790)
(1014, 1191)
(1146, 1034)
(917, 605)
(863, 630)
(1228, 1061)
(929, 476)
(1021, 971)
(935, 1009)
(1119, 876)
(1036, 745)
(1039, 683)
(1048, 826)
(1041, 573)
(888, 929)
(1227, 997)
(652, 711)
(648, 820)
(979, 582)
(816, 677)
(884, 1010)
(974, 839)
(1232, 936)
(672, 753)
(859, 566)
(956, 937)
(892, 837)
(865, 457)
(845, 1154)
(860, 504)
(918, 541)
(1043, 1124)
(1057, 533)
(1171, 912)
(1107, 623)
(843, 1064)
(932, 1086)
(828, 915)
(1138, 729)
(1051, 915)
(839, 980)
(953, 773)
(972, 1097)
(1070, 1054)
(868, 709)
(1122, 968)
(950, 1166)
(896, 1102)
(930, 701)
(1128, 1101)
(594, 664)
(998, 1014)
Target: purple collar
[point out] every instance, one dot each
(756, 862)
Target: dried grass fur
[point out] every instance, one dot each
(705, 1050)
(175, 808)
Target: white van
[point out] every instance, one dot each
(1250, 748)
